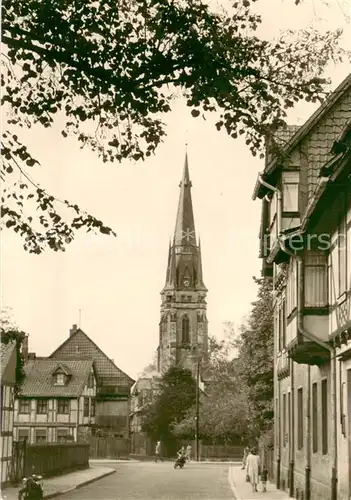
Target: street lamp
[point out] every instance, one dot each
(197, 409)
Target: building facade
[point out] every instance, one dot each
(8, 362)
(113, 385)
(183, 330)
(306, 249)
(57, 401)
(143, 393)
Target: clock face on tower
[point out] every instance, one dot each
(186, 282)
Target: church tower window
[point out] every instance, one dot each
(185, 330)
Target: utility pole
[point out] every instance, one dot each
(197, 410)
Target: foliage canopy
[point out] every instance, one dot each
(110, 70)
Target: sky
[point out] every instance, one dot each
(116, 282)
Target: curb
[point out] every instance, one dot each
(232, 484)
(80, 485)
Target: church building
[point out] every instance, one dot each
(183, 335)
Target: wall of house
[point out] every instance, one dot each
(34, 425)
(6, 438)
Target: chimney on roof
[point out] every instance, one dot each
(25, 348)
(73, 330)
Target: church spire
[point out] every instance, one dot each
(199, 280)
(169, 263)
(184, 234)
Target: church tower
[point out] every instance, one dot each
(183, 336)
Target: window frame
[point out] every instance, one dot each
(63, 401)
(285, 183)
(86, 407)
(342, 250)
(42, 402)
(324, 415)
(21, 401)
(300, 423)
(44, 431)
(314, 402)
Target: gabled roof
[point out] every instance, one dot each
(80, 344)
(311, 122)
(62, 368)
(39, 379)
(7, 351)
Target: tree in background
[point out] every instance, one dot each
(255, 360)
(239, 391)
(10, 333)
(176, 394)
(110, 70)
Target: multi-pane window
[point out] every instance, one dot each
(40, 435)
(290, 191)
(342, 256)
(63, 405)
(324, 398)
(300, 418)
(24, 406)
(42, 406)
(314, 417)
(316, 279)
(60, 379)
(86, 407)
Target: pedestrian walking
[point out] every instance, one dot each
(246, 452)
(253, 468)
(264, 477)
(188, 452)
(158, 455)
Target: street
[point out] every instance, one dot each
(149, 481)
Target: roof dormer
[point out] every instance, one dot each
(61, 375)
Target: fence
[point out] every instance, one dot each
(108, 447)
(219, 452)
(51, 459)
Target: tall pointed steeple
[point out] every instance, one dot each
(183, 325)
(169, 263)
(199, 280)
(184, 233)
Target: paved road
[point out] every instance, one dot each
(150, 481)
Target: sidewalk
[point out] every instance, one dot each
(243, 490)
(63, 484)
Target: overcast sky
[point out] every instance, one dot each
(116, 281)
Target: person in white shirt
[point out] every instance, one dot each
(253, 468)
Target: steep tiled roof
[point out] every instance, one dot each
(6, 351)
(79, 344)
(39, 380)
(315, 119)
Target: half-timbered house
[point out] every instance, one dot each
(306, 249)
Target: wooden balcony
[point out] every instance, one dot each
(305, 352)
